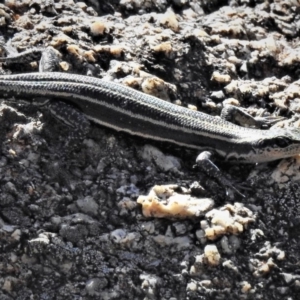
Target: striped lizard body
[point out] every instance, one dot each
(125, 109)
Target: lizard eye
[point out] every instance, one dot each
(281, 142)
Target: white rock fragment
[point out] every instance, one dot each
(288, 278)
(150, 283)
(206, 283)
(191, 286)
(163, 202)
(26, 130)
(198, 267)
(265, 259)
(169, 20)
(245, 287)
(220, 78)
(256, 234)
(230, 266)
(264, 268)
(98, 27)
(43, 240)
(229, 219)
(269, 251)
(165, 48)
(212, 255)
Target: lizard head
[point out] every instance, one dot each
(277, 143)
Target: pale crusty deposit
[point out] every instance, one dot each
(164, 202)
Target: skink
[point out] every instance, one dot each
(125, 109)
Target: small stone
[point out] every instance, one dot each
(218, 95)
(164, 162)
(169, 20)
(64, 66)
(88, 205)
(192, 107)
(98, 27)
(165, 48)
(118, 235)
(16, 235)
(192, 286)
(230, 265)
(94, 285)
(220, 78)
(212, 255)
(82, 5)
(180, 228)
(246, 287)
(288, 278)
(200, 234)
(156, 87)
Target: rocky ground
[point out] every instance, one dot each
(72, 228)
